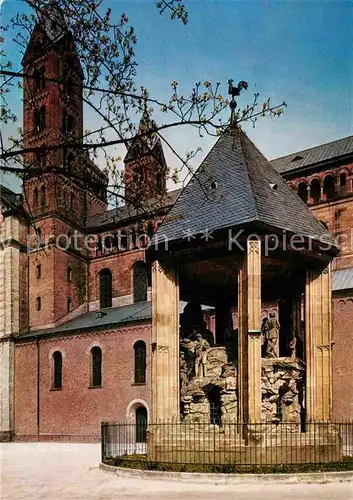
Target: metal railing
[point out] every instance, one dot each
(261, 444)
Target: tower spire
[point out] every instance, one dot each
(52, 20)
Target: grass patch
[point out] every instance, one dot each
(141, 462)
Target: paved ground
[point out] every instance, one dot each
(53, 471)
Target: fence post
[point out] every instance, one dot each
(102, 441)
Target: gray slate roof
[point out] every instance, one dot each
(232, 187)
(111, 316)
(126, 212)
(312, 156)
(342, 279)
(10, 199)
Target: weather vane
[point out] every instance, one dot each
(235, 91)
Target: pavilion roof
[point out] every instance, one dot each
(236, 186)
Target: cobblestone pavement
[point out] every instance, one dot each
(57, 471)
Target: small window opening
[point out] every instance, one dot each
(343, 180)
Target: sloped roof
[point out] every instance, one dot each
(111, 316)
(126, 212)
(342, 279)
(316, 155)
(236, 185)
(11, 200)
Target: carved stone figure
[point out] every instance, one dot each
(200, 356)
(184, 373)
(272, 336)
(293, 347)
(264, 330)
(207, 334)
(290, 407)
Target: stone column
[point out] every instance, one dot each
(254, 329)
(242, 341)
(165, 343)
(10, 235)
(318, 345)
(249, 304)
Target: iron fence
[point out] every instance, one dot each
(233, 444)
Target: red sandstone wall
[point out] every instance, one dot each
(25, 397)
(339, 216)
(121, 268)
(343, 357)
(75, 412)
(76, 290)
(41, 287)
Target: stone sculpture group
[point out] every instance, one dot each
(209, 377)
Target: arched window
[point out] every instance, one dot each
(42, 78)
(141, 424)
(68, 82)
(140, 362)
(68, 123)
(69, 304)
(107, 242)
(57, 360)
(315, 191)
(329, 187)
(42, 197)
(140, 281)
(132, 238)
(150, 230)
(69, 274)
(39, 119)
(36, 79)
(38, 303)
(96, 366)
(343, 180)
(303, 191)
(105, 288)
(124, 239)
(39, 78)
(38, 271)
(36, 120)
(35, 198)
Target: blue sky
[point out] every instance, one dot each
(297, 51)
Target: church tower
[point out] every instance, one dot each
(145, 166)
(62, 186)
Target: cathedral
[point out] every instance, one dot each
(75, 299)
